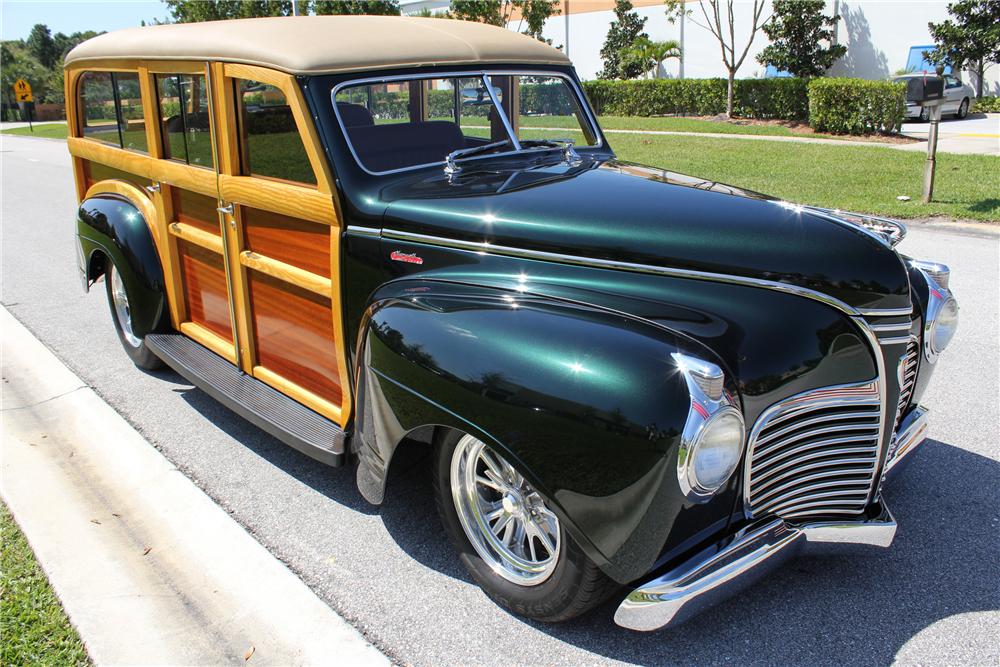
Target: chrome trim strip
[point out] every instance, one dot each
(364, 231)
(894, 341)
(704, 580)
(484, 248)
(886, 418)
(468, 74)
(912, 433)
(886, 312)
(881, 328)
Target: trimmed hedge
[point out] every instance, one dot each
(856, 106)
(785, 98)
(987, 104)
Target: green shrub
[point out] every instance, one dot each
(987, 105)
(784, 98)
(856, 106)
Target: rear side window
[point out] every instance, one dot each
(184, 119)
(112, 109)
(270, 144)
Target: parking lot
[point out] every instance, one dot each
(934, 597)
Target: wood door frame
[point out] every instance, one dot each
(315, 204)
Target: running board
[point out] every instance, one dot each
(291, 422)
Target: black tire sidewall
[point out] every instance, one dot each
(548, 600)
(963, 109)
(141, 356)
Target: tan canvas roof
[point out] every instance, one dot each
(317, 44)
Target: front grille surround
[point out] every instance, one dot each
(909, 366)
(816, 453)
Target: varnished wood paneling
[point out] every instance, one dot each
(95, 172)
(302, 244)
(286, 198)
(204, 279)
(286, 273)
(196, 210)
(294, 335)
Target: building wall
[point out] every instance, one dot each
(878, 35)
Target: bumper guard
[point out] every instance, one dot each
(726, 568)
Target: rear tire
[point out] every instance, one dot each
(963, 109)
(548, 583)
(121, 315)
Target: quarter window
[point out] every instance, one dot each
(112, 109)
(97, 99)
(270, 144)
(184, 119)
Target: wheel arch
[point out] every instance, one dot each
(116, 223)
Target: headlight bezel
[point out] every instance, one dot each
(939, 300)
(705, 413)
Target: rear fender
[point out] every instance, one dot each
(115, 226)
(586, 403)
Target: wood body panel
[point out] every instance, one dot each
(203, 276)
(196, 210)
(286, 273)
(283, 197)
(296, 242)
(95, 172)
(294, 337)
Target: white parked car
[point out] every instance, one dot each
(958, 97)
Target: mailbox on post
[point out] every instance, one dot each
(928, 92)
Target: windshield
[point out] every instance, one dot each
(401, 124)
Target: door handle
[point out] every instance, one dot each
(227, 209)
(155, 187)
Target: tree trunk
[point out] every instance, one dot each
(980, 73)
(729, 95)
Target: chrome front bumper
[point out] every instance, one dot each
(758, 549)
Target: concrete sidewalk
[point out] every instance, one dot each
(149, 569)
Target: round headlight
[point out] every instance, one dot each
(717, 451)
(944, 325)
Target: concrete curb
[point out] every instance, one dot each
(149, 568)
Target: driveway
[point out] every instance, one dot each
(933, 598)
(979, 133)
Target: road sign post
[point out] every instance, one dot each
(25, 100)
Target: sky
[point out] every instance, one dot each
(68, 16)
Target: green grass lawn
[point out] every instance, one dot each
(47, 131)
(854, 178)
(661, 124)
(861, 178)
(34, 629)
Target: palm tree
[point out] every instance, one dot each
(651, 53)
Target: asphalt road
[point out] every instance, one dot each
(932, 598)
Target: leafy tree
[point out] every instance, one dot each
(41, 46)
(719, 18)
(623, 33)
(379, 7)
(970, 41)
(500, 13)
(193, 11)
(797, 30)
(650, 54)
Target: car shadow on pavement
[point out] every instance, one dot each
(817, 609)
(338, 484)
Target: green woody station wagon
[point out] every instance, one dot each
(363, 231)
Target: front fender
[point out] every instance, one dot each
(111, 224)
(585, 402)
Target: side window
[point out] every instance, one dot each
(112, 109)
(184, 119)
(270, 144)
(97, 102)
(131, 120)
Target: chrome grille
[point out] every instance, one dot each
(907, 377)
(815, 453)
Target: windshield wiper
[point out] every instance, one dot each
(566, 144)
(451, 161)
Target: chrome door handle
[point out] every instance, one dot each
(155, 187)
(227, 209)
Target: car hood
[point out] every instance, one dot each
(623, 212)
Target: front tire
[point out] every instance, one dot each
(121, 315)
(507, 537)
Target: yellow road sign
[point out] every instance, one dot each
(22, 90)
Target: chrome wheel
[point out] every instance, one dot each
(504, 518)
(122, 312)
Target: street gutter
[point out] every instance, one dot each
(149, 569)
